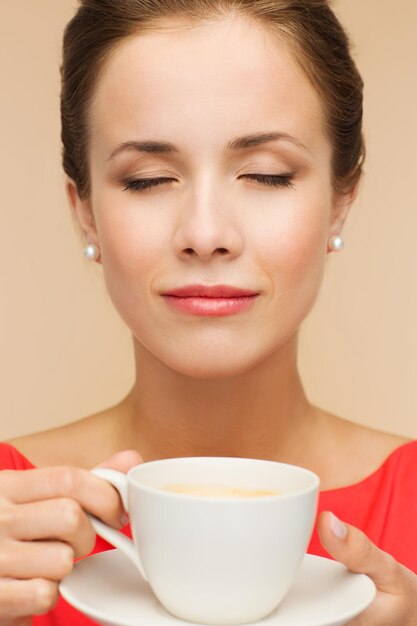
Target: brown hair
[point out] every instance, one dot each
(319, 42)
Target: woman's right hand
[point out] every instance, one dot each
(43, 527)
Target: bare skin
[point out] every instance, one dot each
(363, 451)
(204, 386)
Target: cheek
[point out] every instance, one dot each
(132, 247)
(294, 257)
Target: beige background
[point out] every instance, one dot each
(64, 351)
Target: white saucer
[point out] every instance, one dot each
(108, 588)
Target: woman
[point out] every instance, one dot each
(213, 150)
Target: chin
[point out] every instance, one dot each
(214, 353)
(211, 364)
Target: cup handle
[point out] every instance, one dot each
(113, 536)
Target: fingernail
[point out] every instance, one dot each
(338, 528)
(124, 519)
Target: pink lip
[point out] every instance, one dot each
(210, 306)
(205, 291)
(210, 300)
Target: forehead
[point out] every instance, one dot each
(193, 83)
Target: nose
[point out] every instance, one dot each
(208, 225)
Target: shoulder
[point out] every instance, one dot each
(402, 463)
(83, 443)
(370, 438)
(357, 451)
(392, 457)
(12, 459)
(376, 446)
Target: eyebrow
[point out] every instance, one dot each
(241, 143)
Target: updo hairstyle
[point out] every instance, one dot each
(318, 41)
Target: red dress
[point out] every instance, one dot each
(383, 505)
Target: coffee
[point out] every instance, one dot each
(217, 490)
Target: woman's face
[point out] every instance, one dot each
(201, 88)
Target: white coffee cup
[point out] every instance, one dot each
(213, 559)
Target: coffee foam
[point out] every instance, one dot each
(217, 490)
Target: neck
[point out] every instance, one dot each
(262, 413)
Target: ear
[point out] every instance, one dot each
(341, 206)
(82, 213)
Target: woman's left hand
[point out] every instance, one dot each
(395, 603)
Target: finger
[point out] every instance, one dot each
(351, 546)
(92, 493)
(58, 518)
(21, 598)
(123, 461)
(36, 559)
(385, 610)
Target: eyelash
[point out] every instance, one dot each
(271, 180)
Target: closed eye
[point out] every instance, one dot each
(140, 184)
(271, 180)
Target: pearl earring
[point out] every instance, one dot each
(91, 252)
(336, 243)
